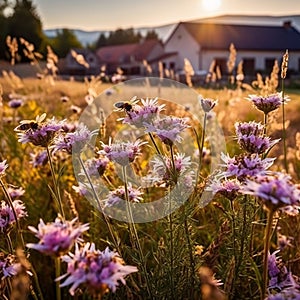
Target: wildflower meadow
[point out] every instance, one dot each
(149, 188)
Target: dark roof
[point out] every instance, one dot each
(163, 56)
(244, 37)
(119, 53)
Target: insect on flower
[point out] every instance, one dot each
(31, 124)
(126, 105)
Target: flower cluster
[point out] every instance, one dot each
(122, 153)
(96, 166)
(281, 279)
(57, 238)
(207, 104)
(15, 103)
(250, 137)
(7, 215)
(73, 141)
(276, 190)
(244, 166)
(39, 134)
(116, 196)
(164, 170)
(39, 158)
(168, 129)
(97, 271)
(228, 188)
(268, 103)
(145, 113)
(8, 265)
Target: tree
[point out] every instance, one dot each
(64, 41)
(123, 36)
(101, 42)
(4, 28)
(151, 35)
(25, 23)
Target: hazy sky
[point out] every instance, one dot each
(112, 14)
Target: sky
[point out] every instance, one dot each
(113, 14)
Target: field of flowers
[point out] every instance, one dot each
(152, 190)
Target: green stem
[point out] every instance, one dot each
(265, 123)
(171, 249)
(201, 145)
(134, 233)
(111, 232)
(9, 243)
(55, 185)
(57, 274)
(267, 242)
(154, 143)
(284, 129)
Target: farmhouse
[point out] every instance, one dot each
(130, 57)
(257, 46)
(80, 62)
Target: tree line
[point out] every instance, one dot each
(20, 20)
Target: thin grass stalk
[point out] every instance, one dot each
(267, 241)
(9, 243)
(265, 123)
(111, 232)
(134, 234)
(201, 145)
(55, 185)
(171, 251)
(190, 250)
(57, 274)
(10, 203)
(283, 128)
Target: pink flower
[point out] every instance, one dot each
(97, 271)
(58, 237)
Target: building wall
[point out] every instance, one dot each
(207, 56)
(183, 43)
(156, 51)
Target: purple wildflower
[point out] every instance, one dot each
(7, 216)
(3, 167)
(250, 137)
(280, 277)
(228, 188)
(41, 134)
(122, 153)
(97, 271)
(243, 166)
(249, 128)
(96, 166)
(118, 195)
(15, 192)
(81, 189)
(57, 238)
(163, 173)
(73, 141)
(276, 191)
(268, 103)
(207, 104)
(15, 103)
(39, 159)
(143, 114)
(168, 129)
(8, 265)
(286, 294)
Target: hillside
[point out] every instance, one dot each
(89, 37)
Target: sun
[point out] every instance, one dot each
(211, 5)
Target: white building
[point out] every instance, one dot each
(257, 45)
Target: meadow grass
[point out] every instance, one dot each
(181, 256)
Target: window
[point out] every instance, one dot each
(249, 66)
(269, 63)
(172, 65)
